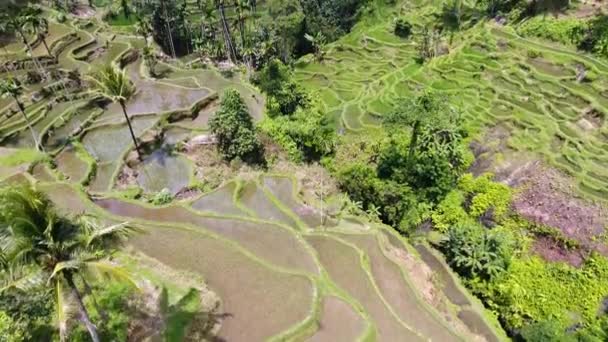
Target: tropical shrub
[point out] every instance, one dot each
(476, 199)
(234, 130)
(402, 28)
(283, 94)
(113, 301)
(391, 199)
(308, 134)
(565, 31)
(162, 197)
(594, 35)
(435, 155)
(26, 315)
(537, 291)
(476, 253)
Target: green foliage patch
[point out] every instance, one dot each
(234, 130)
(536, 291)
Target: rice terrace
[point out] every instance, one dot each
(303, 170)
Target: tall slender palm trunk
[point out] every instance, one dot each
(124, 111)
(168, 27)
(226, 30)
(413, 141)
(242, 29)
(29, 48)
(46, 46)
(84, 315)
(27, 121)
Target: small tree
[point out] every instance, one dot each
(150, 59)
(428, 44)
(41, 247)
(143, 27)
(317, 41)
(416, 112)
(402, 29)
(284, 95)
(13, 89)
(114, 84)
(126, 11)
(474, 252)
(234, 130)
(37, 23)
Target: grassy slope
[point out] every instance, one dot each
(492, 78)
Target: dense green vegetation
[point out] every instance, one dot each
(476, 128)
(233, 128)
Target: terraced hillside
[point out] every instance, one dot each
(280, 279)
(282, 271)
(552, 99)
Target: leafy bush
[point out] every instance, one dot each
(476, 253)
(391, 199)
(308, 134)
(565, 31)
(536, 291)
(162, 197)
(233, 128)
(485, 194)
(435, 156)
(283, 94)
(475, 199)
(594, 35)
(403, 28)
(113, 302)
(26, 316)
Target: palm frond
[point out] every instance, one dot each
(112, 83)
(106, 269)
(22, 278)
(65, 309)
(63, 266)
(97, 236)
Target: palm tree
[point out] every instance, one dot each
(208, 13)
(38, 246)
(143, 27)
(317, 42)
(14, 89)
(150, 59)
(38, 24)
(226, 30)
(16, 20)
(428, 108)
(168, 28)
(241, 6)
(114, 84)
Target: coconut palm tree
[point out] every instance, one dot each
(16, 19)
(113, 83)
(168, 28)
(150, 59)
(37, 23)
(143, 27)
(209, 18)
(317, 42)
(41, 248)
(226, 30)
(12, 88)
(241, 6)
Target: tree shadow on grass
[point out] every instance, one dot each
(185, 320)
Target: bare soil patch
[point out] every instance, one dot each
(547, 197)
(83, 11)
(551, 250)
